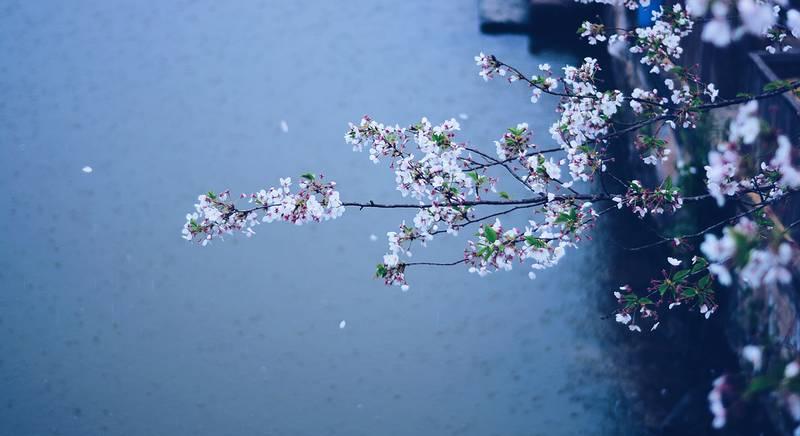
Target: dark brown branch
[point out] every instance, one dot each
(530, 82)
(435, 263)
(744, 99)
(529, 201)
(713, 226)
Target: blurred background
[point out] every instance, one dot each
(110, 323)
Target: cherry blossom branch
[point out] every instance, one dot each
(484, 218)
(446, 179)
(547, 90)
(744, 99)
(518, 240)
(534, 201)
(715, 225)
(457, 262)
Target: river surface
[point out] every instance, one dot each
(110, 323)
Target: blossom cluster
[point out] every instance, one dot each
(643, 201)
(659, 47)
(542, 244)
(721, 391)
(722, 172)
(740, 249)
(438, 174)
(216, 214)
(541, 172)
(727, 173)
(446, 176)
(772, 20)
(586, 112)
(640, 99)
(585, 117)
(659, 44)
(490, 66)
(541, 83)
(761, 18)
(593, 32)
(779, 380)
(392, 270)
(690, 286)
(515, 143)
(429, 164)
(655, 149)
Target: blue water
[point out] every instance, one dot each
(110, 323)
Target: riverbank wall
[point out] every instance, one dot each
(768, 316)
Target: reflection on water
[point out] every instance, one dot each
(110, 323)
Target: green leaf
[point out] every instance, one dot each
(563, 218)
(380, 270)
(504, 194)
(477, 178)
(699, 265)
(535, 242)
(704, 282)
(439, 138)
(485, 251)
(776, 84)
(690, 292)
(759, 384)
(489, 233)
(663, 288)
(211, 195)
(308, 176)
(645, 300)
(680, 275)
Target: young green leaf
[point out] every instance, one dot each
(489, 233)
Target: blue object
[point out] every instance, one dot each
(644, 15)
